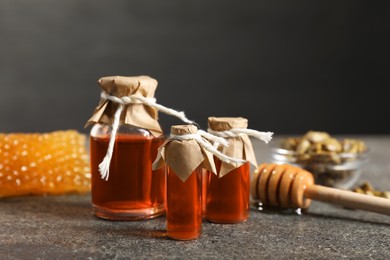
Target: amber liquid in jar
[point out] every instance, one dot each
(204, 191)
(133, 191)
(228, 197)
(184, 205)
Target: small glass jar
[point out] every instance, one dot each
(184, 159)
(133, 191)
(228, 191)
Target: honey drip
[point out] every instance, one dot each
(43, 163)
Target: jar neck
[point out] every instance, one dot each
(100, 129)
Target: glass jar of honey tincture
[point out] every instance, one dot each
(184, 158)
(124, 141)
(228, 192)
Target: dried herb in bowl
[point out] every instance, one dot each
(334, 163)
(367, 188)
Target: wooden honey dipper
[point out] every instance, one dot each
(289, 186)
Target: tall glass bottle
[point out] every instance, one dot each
(184, 159)
(132, 190)
(228, 191)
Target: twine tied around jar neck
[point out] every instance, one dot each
(235, 132)
(104, 166)
(137, 99)
(201, 138)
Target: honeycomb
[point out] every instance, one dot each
(43, 163)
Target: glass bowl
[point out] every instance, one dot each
(332, 170)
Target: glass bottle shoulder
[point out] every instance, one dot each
(124, 131)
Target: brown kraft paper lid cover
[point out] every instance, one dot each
(184, 156)
(139, 115)
(239, 147)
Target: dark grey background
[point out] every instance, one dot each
(287, 66)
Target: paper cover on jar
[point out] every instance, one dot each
(184, 156)
(239, 146)
(137, 114)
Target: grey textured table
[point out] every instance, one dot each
(63, 227)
